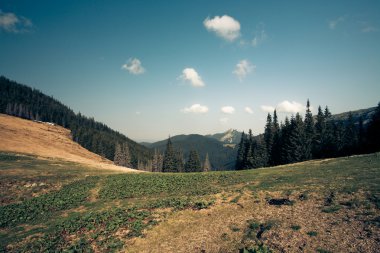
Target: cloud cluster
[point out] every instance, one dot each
(134, 66)
(225, 26)
(227, 110)
(192, 76)
(196, 109)
(243, 68)
(9, 22)
(285, 107)
(267, 108)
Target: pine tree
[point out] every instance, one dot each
(268, 137)
(241, 153)
(193, 164)
(320, 128)
(207, 164)
(180, 161)
(285, 141)
(275, 155)
(296, 140)
(169, 162)
(156, 161)
(117, 157)
(309, 132)
(126, 156)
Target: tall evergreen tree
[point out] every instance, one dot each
(320, 128)
(207, 164)
(118, 156)
(268, 137)
(275, 155)
(296, 140)
(126, 156)
(241, 152)
(285, 141)
(169, 162)
(309, 132)
(193, 164)
(180, 161)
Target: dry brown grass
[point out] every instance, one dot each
(222, 227)
(48, 141)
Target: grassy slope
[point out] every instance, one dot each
(333, 207)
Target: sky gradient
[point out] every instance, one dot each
(150, 69)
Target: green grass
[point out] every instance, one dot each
(88, 211)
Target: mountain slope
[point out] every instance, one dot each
(48, 141)
(231, 136)
(22, 101)
(221, 157)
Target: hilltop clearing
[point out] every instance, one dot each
(47, 140)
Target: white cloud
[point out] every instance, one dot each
(290, 107)
(190, 75)
(195, 108)
(9, 22)
(223, 120)
(138, 113)
(243, 68)
(228, 109)
(267, 108)
(134, 66)
(260, 35)
(368, 29)
(248, 110)
(335, 22)
(225, 26)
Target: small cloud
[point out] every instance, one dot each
(228, 109)
(243, 68)
(225, 26)
(248, 110)
(190, 75)
(138, 113)
(134, 66)
(335, 22)
(290, 107)
(196, 109)
(223, 120)
(260, 35)
(267, 108)
(12, 23)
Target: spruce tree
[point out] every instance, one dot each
(180, 161)
(296, 140)
(285, 141)
(275, 155)
(309, 132)
(241, 153)
(117, 157)
(126, 156)
(207, 164)
(320, 128)
(350, 136)
(193, 164)
(268, 136)
(169, 162)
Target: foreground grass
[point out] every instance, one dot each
(56, 206)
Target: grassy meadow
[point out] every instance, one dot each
(329, 205)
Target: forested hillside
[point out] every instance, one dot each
(314, 137)
(221, 157)
(25, 102)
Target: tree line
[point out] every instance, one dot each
(299, 139)
(173, 161)
(28, 103)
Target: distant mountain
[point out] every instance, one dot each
(365, 114)
(28, 103)
(221, 157)
(231, 136)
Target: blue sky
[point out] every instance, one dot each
(150, 69)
